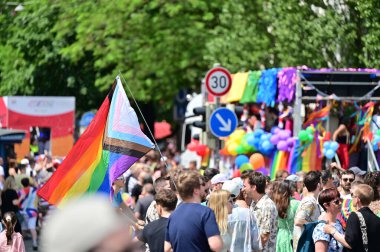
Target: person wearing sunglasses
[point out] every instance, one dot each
(331, 202)
(363, 226)
(347, 177)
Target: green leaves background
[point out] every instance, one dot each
(78, 47)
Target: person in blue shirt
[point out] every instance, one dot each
(192, 227)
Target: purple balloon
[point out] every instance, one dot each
(277, 130)
(263, 170)
(283, 135)
(274, 139)
(282, 145)
(288, 133)
(290, 141)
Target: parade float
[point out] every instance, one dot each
(306, 104)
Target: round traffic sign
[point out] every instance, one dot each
(218, 81)
(223, 122)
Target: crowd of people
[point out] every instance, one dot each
(166, 207)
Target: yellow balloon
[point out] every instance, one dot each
(232, 149)
(237, 134)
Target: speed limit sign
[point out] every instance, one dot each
(218, 81)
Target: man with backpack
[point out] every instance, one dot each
(308, 209)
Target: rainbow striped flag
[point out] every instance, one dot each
(111, 144)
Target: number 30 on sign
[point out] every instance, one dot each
(218, 81)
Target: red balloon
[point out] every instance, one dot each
(236, 174)
(201, 150)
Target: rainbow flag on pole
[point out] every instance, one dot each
(111, 144)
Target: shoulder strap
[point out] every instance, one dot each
(363, 228)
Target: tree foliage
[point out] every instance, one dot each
(78, 47)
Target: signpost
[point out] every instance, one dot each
(223, 122)
(218, 81)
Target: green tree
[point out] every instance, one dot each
(31, 62)
(158, 46)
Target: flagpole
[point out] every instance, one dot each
(150, 132)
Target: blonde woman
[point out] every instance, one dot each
(221, 203)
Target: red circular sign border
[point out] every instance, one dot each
(225, 71)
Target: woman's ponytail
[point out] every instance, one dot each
(9, 220)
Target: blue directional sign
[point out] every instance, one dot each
(223, 122)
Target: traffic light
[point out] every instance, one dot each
(200, 111)
(239, 110)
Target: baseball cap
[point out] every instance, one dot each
(219, 178)
(293, 178)
(239, 181)
(24, 161)
(357, 171)
(233, 187)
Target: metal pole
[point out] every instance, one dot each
(217, 141)
(372, 160)
(297, 124)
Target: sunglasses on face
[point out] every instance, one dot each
(337, 201)
(348, 179)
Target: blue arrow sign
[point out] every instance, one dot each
(223, 122)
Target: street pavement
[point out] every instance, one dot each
(29, 245)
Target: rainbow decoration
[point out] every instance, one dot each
(111, 144)
(295, 159)
(279, 162)
(318, 116)
(364, 119)
(310, 159)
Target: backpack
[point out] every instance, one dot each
(306, 243)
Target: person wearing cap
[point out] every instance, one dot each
(85, 224)
(217, 181)
(117, 186)
(242, 222)
(22, 173)
(293, 181)
(359, 173)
